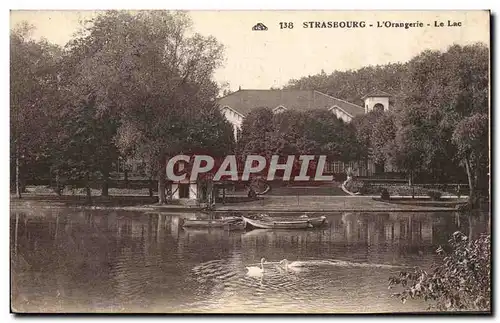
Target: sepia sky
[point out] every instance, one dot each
(264, 59)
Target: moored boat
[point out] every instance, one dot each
(276, 224)
(232, 222)
(316, 221)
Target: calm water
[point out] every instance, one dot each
(108, 261)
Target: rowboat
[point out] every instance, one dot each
(238, 226)
(276, 224)
(315, 221)
(231, 222)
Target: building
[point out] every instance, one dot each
(237, 105)
(376, 100)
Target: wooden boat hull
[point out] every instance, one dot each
(281, 224)
(315, 221)
(206, 230)
(214, 223)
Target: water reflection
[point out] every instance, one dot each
(132, 262)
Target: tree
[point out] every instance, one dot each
(146, 72)
(461, 282)
(33, 98)
(376, 133)
(256, 131)
(443, 90)
(351, 85)
(84, 148)
(471, 138)
(315, 132)
(433, 94)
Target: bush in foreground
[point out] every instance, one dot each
(461, 283)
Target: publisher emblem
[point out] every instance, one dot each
(259, 26)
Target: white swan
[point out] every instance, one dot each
(293, 266)
(256, 271)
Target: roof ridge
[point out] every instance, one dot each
(348, 113)
(225, 96)
(231, 108)
(327, 95)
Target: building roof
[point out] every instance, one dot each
(376, 93)
(244, 101)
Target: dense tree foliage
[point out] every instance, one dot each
(439, 120)
(33, 101)
(376, 131)
(462, 282)
(352, 85)
(443, 117)
(135, 84)
(316, 132)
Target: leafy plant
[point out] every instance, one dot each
(384, 194)
(461, 282)
(435, 195)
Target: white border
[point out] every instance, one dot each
(198, 4)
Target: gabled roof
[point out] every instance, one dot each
(376, 93)
(348, 107)
(244, 101)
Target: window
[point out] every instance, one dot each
(328, 167)
(184, 191)
(336, 167)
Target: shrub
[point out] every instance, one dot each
(354, 186)
(365, 188)
(384, 194)
(435, 195)
(461, 282)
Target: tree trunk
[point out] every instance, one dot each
(472, 189)
(125, 175)
(411, 185)
(161, 181)
(87, 189)
(18, 175)
(150, 186)
(105, 184)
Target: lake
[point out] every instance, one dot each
(114, 261)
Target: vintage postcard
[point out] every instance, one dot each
(250, 162)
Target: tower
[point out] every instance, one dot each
(376, 100)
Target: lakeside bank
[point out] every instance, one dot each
(282, 204)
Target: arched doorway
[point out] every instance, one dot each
(378, 107)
